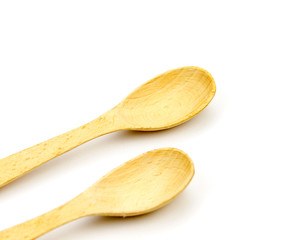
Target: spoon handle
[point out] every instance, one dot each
(40, 225)
(22, 162)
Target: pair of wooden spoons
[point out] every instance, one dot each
(139, 186)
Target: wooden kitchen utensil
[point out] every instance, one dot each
(139, 186)
(163, 102)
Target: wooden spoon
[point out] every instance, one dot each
(139, 186)
(165, 101)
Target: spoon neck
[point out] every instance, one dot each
(107, 123)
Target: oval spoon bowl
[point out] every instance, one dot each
(168, 100)
(144, 183)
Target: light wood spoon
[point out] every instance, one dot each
(139, 186)
(163, 102)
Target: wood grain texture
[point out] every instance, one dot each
(163, 102)
(168, 99)
(141, 185)
(16, 165)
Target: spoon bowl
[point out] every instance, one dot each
(142, 184)
(168, 99)
(139, 186)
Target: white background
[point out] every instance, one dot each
(64, 63)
